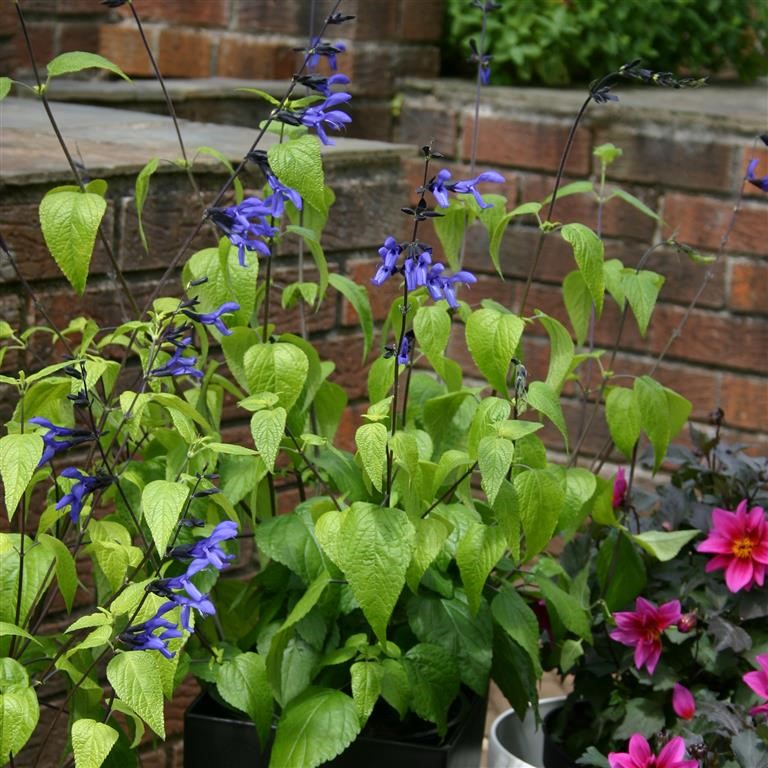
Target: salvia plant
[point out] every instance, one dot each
(412, 570)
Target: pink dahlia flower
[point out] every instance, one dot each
(739, 541)
(619, 488)
(640, 755)
(642, 629)
(758, 682)
(683, 702)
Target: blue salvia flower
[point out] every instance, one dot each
(439, 186)
(177, 365)
(58, 439)
(760, 183)
(318, 49)
(281, 193)
(406, 346)
(207, 551)
(85, 484)
(316, 116)
(484, 60)
(141, 638)
(214, 318)
(417, 265)
(198, 601)
(443, 287)
(390, 253)
(244, 224)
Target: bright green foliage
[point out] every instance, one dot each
(298, 165)
(540, 498)
(588, 252)
(92, 742)
(162, 503)
(641, 289)
(622, 412)
(314, 729)
(434, 683)
(19, 710)
(376, 550)
(134, 676)
(492, 339)
(494, 457)
(479, 549)
(70, 220)
(278, 368)
(371, 441)
(77, 61)
(267, 428)
(140, 195)
(19, 456)
(366, 687)
(519, 622)
(242, 682)
(5, 87)
(546, 401)
(578, 304)
(358, 298)
(664, 545)
(620, 570)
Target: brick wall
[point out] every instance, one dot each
(685, 155)
(253, 39)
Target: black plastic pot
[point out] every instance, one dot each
(554, 754)
(215, 735)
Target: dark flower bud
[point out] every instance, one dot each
(716, 417)
(338, 18)
(205, 492)
(287, 117)
(113, 3)
(687, 622)
(199, 281)
(70, 370)
(192, 522)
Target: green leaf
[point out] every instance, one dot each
(515, 617)
(311, 239)
(19, 710)
(478, 552)
(613, 269)
(546, 401)
(366, 687)
(432, 326)
(141, 191)
(574, 188)
(298, 165)
(395, 686)
(314, 728)
(242, 683)
(494, 458)
(654, 416)
(641, 290)
(642, 716)
(357, 296)
(235, 347)
(19, 457)
(431, 534)
(541, 498)
(262, 95)
(450, 228)
(5, 87)
(289, 540)
(620, 570)
(622, 412)
(664, 545)
(434, 677)
(92, 742)
(607, 153)
(580, 487)
(492, 338)
(561, 352)
(377, 544)
(566, 608)
(588, 253)
(578, 304)
(467, 636)
(76, 61)
(634, 202)
(38, 572)
(162, 503)
(371, 441)
(66, 572)
(267, 428)
(679, 411)
(135, 679)
(70, 220)
(8, 629)
(278, 368)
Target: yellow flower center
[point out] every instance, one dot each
(742, 548)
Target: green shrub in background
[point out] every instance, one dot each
(556, 42)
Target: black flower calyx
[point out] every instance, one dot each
(338, 18)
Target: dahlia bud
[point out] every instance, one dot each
(687, 622)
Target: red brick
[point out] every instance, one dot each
(655, 158)
(248, 57)
(745, 402)
(760, 151)
(347, 352)
(185, 53)
(422, 123)
(121, 43)
(42, 38)
(154, 758)
(417, 61)
(63, 7)
(421, 20)
(749, 286)
(203, 13)
(285, 17)
(9, 55)
(373, 21)
(79, 36)
(534, 143)
(703, 221)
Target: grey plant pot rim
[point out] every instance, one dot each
(546, 706)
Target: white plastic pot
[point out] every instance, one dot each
(513, 743)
